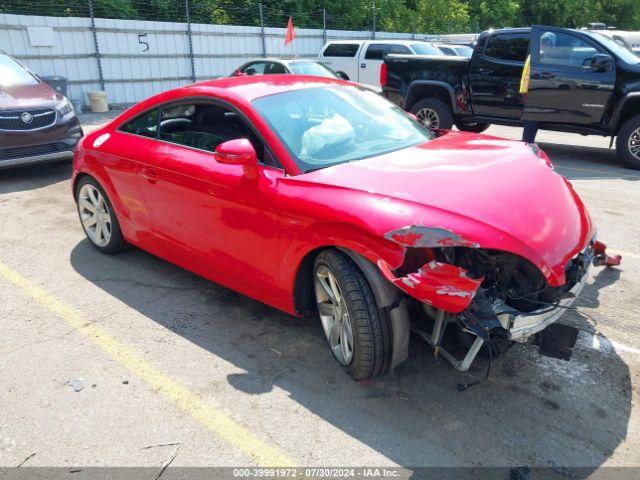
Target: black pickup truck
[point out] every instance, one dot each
(581, 82)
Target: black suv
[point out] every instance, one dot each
(581, 81)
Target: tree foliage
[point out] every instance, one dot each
(420, 16)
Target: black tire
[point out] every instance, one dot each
(371, 330)
(477, 127)
(623, 142)
(442, 110)
(116, 242)
(343, 76)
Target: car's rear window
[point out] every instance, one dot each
(12, 73)
(341, 50)
(312, 68)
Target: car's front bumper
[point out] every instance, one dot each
(524, 325)
(46, 145)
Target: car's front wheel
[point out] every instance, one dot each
(356, 330)
(628, 142)
(98, 218)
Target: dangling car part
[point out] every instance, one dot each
(485, 293)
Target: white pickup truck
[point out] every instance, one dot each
(360, 60)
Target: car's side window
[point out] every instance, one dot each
(145, 124)
(255, 68)
(376, 51)
(559, 48)
(341, 50)
(399, 49)
(509, 47)
(276, 68)
(204, 126)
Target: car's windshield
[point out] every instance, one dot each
(12, 73)
(425, 49)
(464, 51)
(623, 52)
(325, 126)
(312, 68)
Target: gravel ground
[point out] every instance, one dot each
(129, 331)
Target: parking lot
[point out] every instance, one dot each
(130, 361)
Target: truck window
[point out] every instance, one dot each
(377, 51)
(510, 47)
(423, 48)
(341, 50)
(559, 48)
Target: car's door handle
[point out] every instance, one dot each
(485, 71)
(543, 75)
(363, 65)
(149, 174)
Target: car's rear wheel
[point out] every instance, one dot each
(433, 113)
(98, 218)
(628, 142)
(474, 127)
(356, 330)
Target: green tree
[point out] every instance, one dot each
(442, 16)
(486, 14)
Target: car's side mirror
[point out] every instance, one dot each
(236, 152)
(601, 62)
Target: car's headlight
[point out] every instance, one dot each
(65, 107)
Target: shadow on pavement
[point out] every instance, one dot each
(588, 163)
(32, 177)
(532, 411)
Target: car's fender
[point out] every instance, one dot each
(626, 107)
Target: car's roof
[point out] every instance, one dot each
(452, 45)
(380, 40)
(248, 88)
(283, 60)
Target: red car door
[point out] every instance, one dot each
(119, 153)
(213, 215)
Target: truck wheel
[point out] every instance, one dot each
(476, 127)
(343, 76)
(356, 330)
(628, 142)
(433, 113)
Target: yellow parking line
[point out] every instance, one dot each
(176, 393)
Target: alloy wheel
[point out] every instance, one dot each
(428, 117)
(634, 143)
(94, 215)
(334, 315)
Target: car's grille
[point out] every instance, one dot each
(21, 152)
(24, 120)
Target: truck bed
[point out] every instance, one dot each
(402, 70)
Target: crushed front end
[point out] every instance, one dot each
(493, 297)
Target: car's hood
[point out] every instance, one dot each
(496, 193)
(18, 97)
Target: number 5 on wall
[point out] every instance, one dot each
(142, 40)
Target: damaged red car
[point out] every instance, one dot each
(316, 195)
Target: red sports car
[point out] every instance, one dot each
(316, 195)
